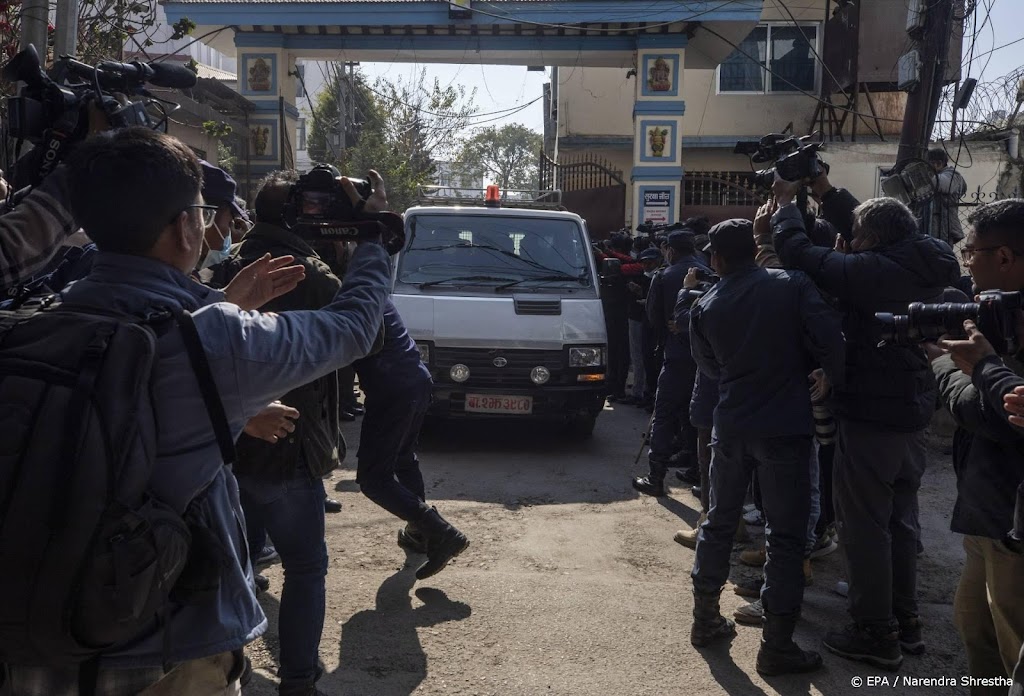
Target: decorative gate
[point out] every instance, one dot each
(720, 196)
(591, 188)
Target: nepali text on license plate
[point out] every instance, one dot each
(480, 403)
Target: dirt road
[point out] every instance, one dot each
(572, 586)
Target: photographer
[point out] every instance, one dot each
(137, 195)
(760, 332)
(639, 289)
(882, 410)
(987, 457)
(678, 372)
(616, 299)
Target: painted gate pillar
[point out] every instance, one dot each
(265, 75)
(657, 129)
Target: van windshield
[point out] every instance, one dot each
(514, 253)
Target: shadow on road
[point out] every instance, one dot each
(380, 651)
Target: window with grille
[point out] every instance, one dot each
(787, 50)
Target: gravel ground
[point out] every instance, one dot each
(572, 585)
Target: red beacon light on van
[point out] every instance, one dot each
(493, 197)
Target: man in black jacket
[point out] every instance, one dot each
(760, 332)
(280, 484)
(882, 411)
(987, 453)
(675, 383)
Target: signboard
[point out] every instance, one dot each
(657, 206)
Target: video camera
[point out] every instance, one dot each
(795, 158)
(653, 230)
(52, 112)
(995, 314)
(318, 209)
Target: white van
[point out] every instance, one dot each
(504, 304)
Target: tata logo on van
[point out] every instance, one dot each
(500, 362)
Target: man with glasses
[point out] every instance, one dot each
(882, 410)
(989, 463)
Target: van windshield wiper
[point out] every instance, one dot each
(458, 279)
(545, 278)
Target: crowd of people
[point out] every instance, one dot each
(196, 360)
(775, 386)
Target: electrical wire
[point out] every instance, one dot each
(624, 20)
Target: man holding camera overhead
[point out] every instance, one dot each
(989, 463)
(882, 411)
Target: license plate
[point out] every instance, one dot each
(481, 403)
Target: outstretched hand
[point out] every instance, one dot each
(1013, 404)
(272, 423)
(263, 280)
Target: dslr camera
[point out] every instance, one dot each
(795, 158)
(318, 209)
(995, 315)
(51, 112)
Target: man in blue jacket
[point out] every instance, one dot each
(760, 332)
(882, 411)
(136, 193)
(678, 372)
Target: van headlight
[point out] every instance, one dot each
(586, 357)
(424, 353)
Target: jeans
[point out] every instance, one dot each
(672, 408)
(292, 512)
(389, 471)
(784, 479)
(636, 357)
(875, 481)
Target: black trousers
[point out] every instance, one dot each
(388, 471)
(618, 354)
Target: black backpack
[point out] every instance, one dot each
(88, 556)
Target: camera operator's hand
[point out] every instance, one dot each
(635, 289)
(272, 423)
(691, 280)
(264, 280)
(841, 244)
(763, 219)
(98, 122)
(4, 188)
(1013, 404)
(785, 191)
(932, 351)
(966, 354)
(820, 386)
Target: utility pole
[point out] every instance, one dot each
(65, 39)
(923, 102)
(34, 21)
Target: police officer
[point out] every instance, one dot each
(675, 383)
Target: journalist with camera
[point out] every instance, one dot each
(760, 332)
(973, 375)
(882, 409)
(156, 593)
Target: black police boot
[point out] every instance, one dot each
(262, 583)
(654, 482)
(331, 505)
(875, 645)
(778, 653)
(709, 626)
(412, 539)
(444, 542)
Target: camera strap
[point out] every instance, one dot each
(56, 144)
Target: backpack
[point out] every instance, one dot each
(88, 555)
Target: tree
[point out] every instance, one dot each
(401, 128)
(507, 156)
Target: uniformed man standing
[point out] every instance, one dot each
(760, 332)
(678, 372)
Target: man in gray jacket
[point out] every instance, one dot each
(137, 194)
(943, 214)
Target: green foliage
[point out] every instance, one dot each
(182, 28)
(226, 158)
(216, 129)
(401, 129)
(507, 156)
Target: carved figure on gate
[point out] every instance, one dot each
(657, 137)
(260, 140)
(660, 76)
(259, 76)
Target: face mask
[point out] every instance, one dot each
(651, 274)
(218, 255)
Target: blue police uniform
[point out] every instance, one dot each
(678, 372)
(397, 387)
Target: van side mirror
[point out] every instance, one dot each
(611, 267)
